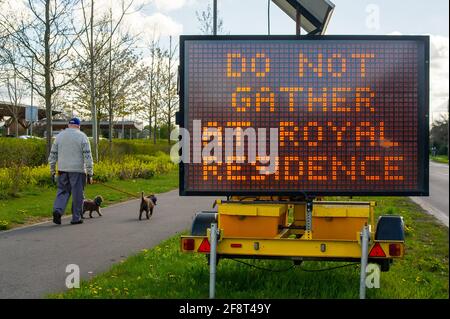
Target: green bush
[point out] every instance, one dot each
(16, 178)
(29, 152)
(4, 225)
(122, 147)
(129, 167)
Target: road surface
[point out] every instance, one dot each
(33, 259)
(437, 203)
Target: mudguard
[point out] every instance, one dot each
(202, 221)
(390, 228)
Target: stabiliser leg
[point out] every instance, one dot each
(364, 256)
(212, 261)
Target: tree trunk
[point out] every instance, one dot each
(98, 127)
(92, 84)
(169, 111)
(169, 127)
(154, 127)
(110, 131)
(155, 107)
(16, 101)
(150, 125)
(123, 128)
(150, 107)
(169, 106)
(16, 122)
(47, 76)
(110, 103)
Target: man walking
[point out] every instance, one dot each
(72, 151)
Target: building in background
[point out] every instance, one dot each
(121, 129)
(8, 124)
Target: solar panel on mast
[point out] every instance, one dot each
(314, 15)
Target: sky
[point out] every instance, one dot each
(177, 17)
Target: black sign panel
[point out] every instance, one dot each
(350, 113)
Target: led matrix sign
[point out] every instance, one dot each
(347, 114)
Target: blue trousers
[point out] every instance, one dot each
(70, 183)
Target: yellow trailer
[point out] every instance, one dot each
(350, 129)
(297, 230)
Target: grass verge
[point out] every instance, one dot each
(440, 159)
(164, 272)
(35, 203)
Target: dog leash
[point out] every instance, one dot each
(116, 189)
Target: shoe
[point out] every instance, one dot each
(56, 218)
(77, 222)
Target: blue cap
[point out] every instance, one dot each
(75, 121)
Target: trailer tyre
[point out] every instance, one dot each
(385, 265)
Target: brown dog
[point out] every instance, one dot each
(92, 205)
(147, 205)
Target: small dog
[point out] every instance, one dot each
(92, 205)
(147, 205)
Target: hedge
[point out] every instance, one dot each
(14, 178)
(28, 152)
(122, 147)
(31, 152)
(137, 166)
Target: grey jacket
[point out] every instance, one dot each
(72, 151)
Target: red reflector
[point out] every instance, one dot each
(377, 251)
(236, 245)
(204, 246)
(395, 249)
(188, 244)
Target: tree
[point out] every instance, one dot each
(171, 89)
(148, 93)
(80, 91)
(46, 35)
(117, 76)
(439, 135)
(159, 88)
(123, 79)
(153, 90)
(205, 20)
(15, 87)
(123, 76)
(93, 47)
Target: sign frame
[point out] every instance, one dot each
(423, 114)
(31, 113)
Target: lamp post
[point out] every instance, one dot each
(31, 97)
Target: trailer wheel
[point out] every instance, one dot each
(202, 221)
(385, 265)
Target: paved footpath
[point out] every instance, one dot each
(33, 259)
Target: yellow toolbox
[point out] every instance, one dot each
(334, 221)
(255, 220)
